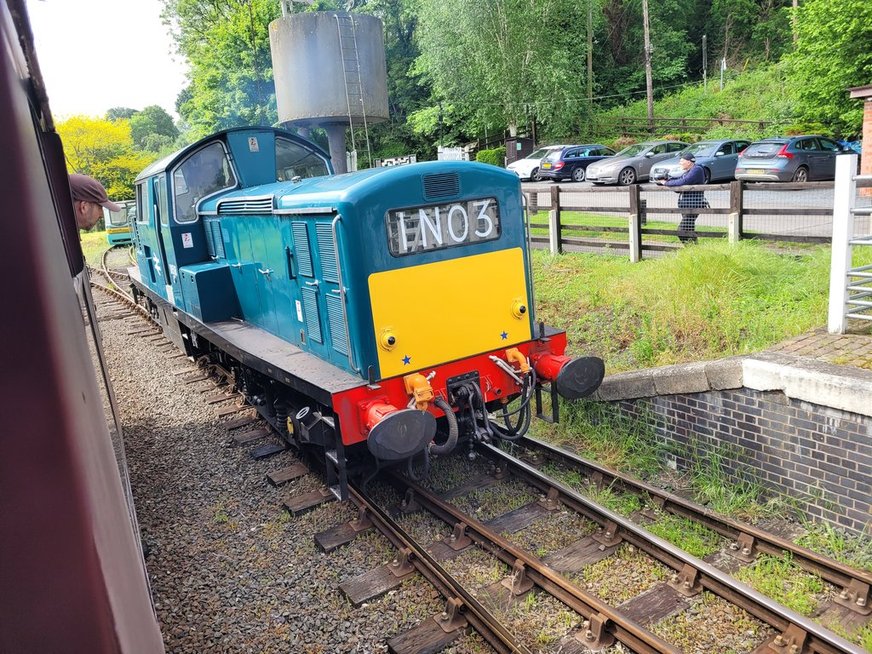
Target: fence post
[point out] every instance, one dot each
(734, 219)
(635, 224)
(533, 202)
(555, 236)
(844, 193)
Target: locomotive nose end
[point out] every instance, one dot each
(401, 434)
(580, 377)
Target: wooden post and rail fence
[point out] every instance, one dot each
(634, 207)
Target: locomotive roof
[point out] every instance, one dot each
(330, 191)
(169, 161)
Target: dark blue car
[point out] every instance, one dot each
(571, 162)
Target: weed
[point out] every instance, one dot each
(690, 536)
(855, 551)
(785, 582)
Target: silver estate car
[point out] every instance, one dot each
(632, 164)
(789, 159)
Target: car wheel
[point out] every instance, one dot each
(801, 175)
(535, 176)
(707, 174)
(627, 177)
(578, 175)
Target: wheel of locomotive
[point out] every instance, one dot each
(578, 175)
(627, 176)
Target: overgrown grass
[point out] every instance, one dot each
(705, 302)
(93, 245)
(693, 537)
(852, 550)
(746, 96)
(781, 579)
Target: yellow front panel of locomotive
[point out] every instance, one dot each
(440, 312)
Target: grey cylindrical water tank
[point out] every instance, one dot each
(315, 69)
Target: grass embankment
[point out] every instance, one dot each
(93, 245)
(704, 302)
(747, 96)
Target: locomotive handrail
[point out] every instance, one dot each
(529, 258)
(351, 362)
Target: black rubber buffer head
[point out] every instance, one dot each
(401, 434)
(580, 377)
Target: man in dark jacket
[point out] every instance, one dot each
(693, 175)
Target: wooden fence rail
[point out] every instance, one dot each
(636, 210)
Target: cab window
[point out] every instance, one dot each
(295, 160)
(141, 203)
(204, 173)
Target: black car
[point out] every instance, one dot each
(572, 161)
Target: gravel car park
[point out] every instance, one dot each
(633, 164)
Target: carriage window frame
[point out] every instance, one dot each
(142, 214)
(160, 191)
(234, 177)
(312, 153)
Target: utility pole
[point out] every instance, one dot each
(589, 54)
(704, 65)
(649, 85)
(793, 19)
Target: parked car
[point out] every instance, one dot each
(717, 158)
(572, 161)
(789, 159)
(633, 164)
(528, 167)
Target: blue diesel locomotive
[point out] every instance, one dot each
(380, 316)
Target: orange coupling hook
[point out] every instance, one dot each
(418, 386)
(573, 378)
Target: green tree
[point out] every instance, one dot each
(152, 126)
(104, 150)
(120, 113)
(832, 54)
(227, 46)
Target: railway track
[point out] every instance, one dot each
(530, 571)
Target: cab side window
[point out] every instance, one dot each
(205, 172)
(295, 160)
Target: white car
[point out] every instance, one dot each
(528, 167)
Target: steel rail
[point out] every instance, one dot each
(832, 571)
(626, 630)
(821, 640)
(482, 620)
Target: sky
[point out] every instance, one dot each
(99, 54)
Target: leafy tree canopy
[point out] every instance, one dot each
(833, 53)
(104, 150)
(152, 125)
(120, 113)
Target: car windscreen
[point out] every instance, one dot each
(633, 150)
(701, 149)
(764, 149)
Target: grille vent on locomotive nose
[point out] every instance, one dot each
(442, 185)
(246, 206)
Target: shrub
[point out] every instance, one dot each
(495, 157)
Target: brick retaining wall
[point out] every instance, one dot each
(818, 455)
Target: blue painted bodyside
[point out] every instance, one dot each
(273, 243)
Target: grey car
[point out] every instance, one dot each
(717, 158)
(789, 159)
(633, 164)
